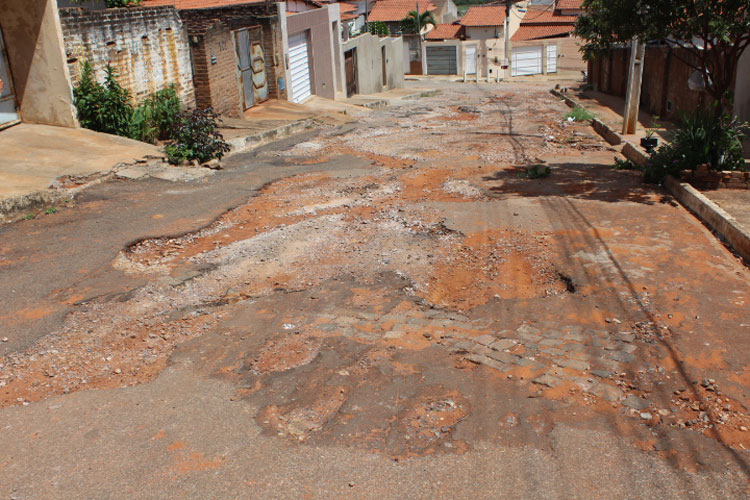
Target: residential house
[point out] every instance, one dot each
(392, 12)
(35, 85)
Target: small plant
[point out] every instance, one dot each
(379, 28)
(51, 210)
(537, 171)
(625, 165)
(700, 139)
(29, 216)
(103, 108)
(579, 114)
(196, 137)
(154, 119)
(652, 129)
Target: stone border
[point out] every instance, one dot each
(715, 217)
(247, 142)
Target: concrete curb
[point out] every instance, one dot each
(248, 142)
(567, 100)
(712, 215)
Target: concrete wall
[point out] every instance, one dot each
(370, 62)
(147, 47)
(41, 80)
(484, 32)
(216, 81)
(446, 11)
(319, 25)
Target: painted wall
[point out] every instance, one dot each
(484, 32)
(319, 25)
(147, 47)
(37, 62)
(370, 62)
(446, 11)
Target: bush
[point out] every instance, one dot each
(702, 138)
(536, 172)
(156, 116)
(625, 165)
(196, 138)
(104, 108)
(379, 28)
(580, 114)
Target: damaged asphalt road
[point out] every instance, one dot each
(391, 309)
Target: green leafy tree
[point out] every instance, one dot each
(379, 28)
(714, 33)
(414, 21)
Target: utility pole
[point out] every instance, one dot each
(633, 94)
(506, 32)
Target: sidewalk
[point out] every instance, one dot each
(385, 98)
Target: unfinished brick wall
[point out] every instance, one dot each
(212, 84)
(147, 46)
(215, 71)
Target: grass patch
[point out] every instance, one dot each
(537, 171)
(51, 210)
(580, 114)
(29, 216)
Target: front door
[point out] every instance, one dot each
(350, 64)
(8, 112)
(251, 66)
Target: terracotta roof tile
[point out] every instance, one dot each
(199, 4)
(445, 32)
(535, 32)
(546, 16)
(484, 15)
(348, 11)
(569, 4)
(397, 10)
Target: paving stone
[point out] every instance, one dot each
(622, 357)
(414, 321)
(345, 321)
(394, 334)
(606, 392)
(348, 331)
(629, 348)
(575, 337)
(584, 383)
(484, 360)
(530, 347)
(550, 342)
(553, 351)
(526, 329)
(633, 401)
(463, 325)
(575, 364)
(368, 316)
(552, 334)
(548, 380)
(502, 344)
(606, 364)
(480, 349)
(505, 357)
(485, 339)
(573, 347)
(601, 373)
(573, 329)
(503, 334)
(531, 337)
(530, 363)
(581, 355)
(327, 327)
(463, 345)
(625, 337)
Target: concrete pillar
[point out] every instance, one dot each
(633, 95)
(544, 59)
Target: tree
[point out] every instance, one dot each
(413, 21)
(714, 33)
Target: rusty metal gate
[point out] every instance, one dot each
(252, 65)
(350, 64)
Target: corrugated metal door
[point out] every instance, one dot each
(7, 98)
(252, 65)
(299, 66)
(442, 60)
(551, 58)
(526, 61)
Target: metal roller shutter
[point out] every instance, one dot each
(442, 60)
(299, 66)
(526, 61)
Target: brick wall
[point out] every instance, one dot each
(703, 178)
(199, 22)
(147, 46)
(215, 71)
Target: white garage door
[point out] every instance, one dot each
(526, 61)
(551, 58)
(299, 66)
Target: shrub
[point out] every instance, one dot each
(156, 116)
(104, 108)
(536, 172)
(196, 138)
(702, 138)
(379, 28)
(625, 165)
(580, 114)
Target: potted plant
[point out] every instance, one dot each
(650, 142)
